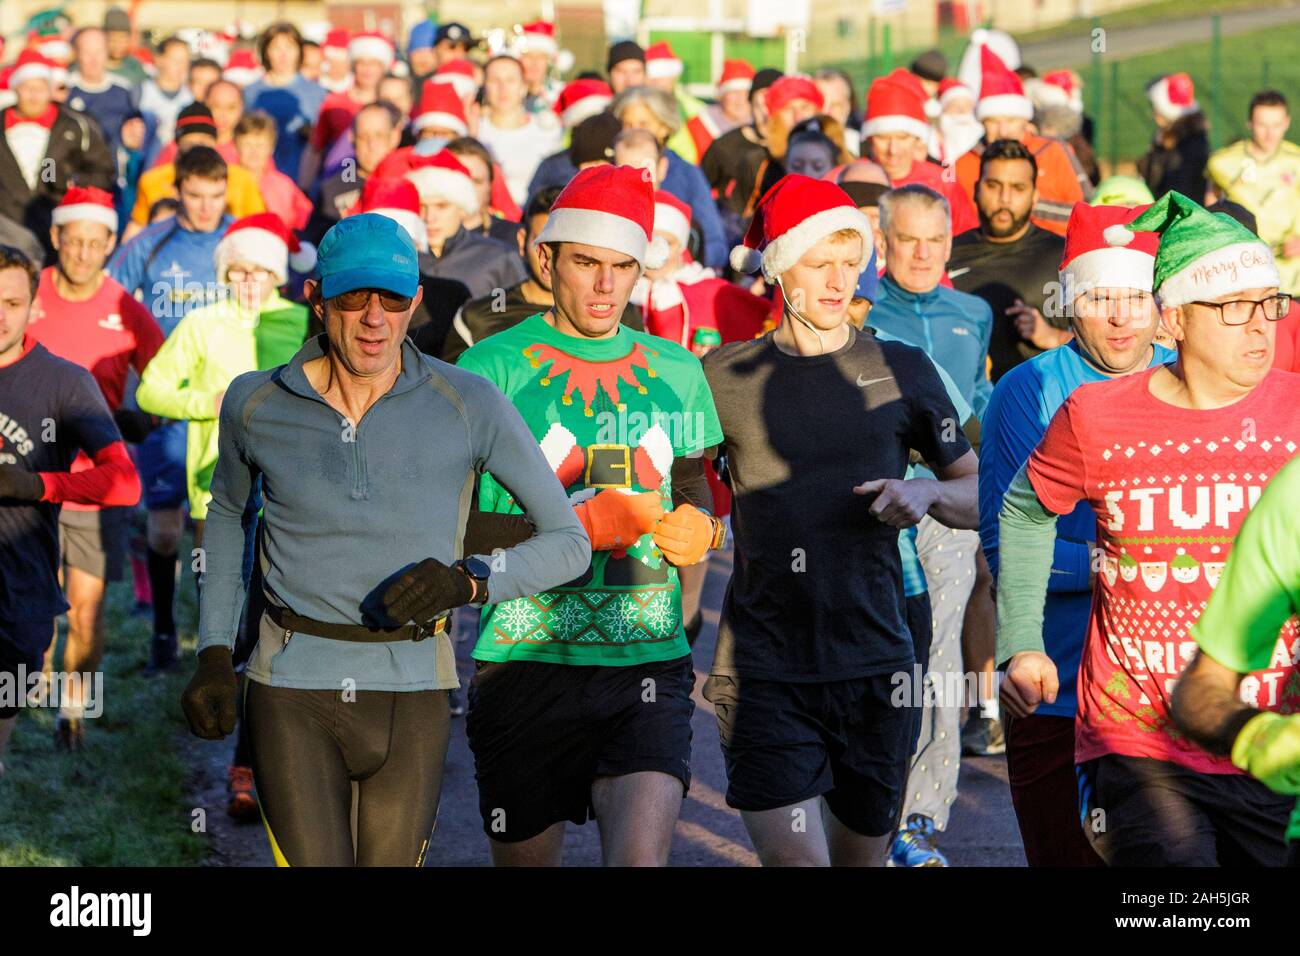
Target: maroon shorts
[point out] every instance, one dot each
(1045, 791)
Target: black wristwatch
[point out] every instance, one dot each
(478, 572)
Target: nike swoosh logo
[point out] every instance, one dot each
(873, 381)
(958, 272)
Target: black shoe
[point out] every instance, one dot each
(983, 737)
(162, 655)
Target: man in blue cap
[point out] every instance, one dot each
(419, 52)
(367, 453)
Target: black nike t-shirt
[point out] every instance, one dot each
(1001, 272)
(817, 590)
(49, 409)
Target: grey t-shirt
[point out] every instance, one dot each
(348, 509)
(817, 590)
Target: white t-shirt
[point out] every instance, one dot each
(164, 107)
(520, 150)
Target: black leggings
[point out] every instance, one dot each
(309, 746)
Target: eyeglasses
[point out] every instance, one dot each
(359, 299)
(1241, 311)
(236, 274)
(1117, 305)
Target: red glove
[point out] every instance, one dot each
(614, 521)
(685, 535)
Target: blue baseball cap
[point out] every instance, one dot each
(422, 36)
(367, 251)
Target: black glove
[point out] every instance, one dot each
(426, 591)
(134, 425)
(20, 484)
(209, 698)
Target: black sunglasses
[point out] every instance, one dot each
(359, 299)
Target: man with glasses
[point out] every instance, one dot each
(368, 452)
(83, 315)
(1170, 460)
(251, 326)
(1113, 315)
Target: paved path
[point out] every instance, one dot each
(1076, 50)
(981, 832)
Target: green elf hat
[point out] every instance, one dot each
(1202, 255)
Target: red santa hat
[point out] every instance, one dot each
(1173, 97)
(86, 204)
(31, 65)
(264, 240)
(661, 62)
(582, 99)
(792, 217)
(672, 216)
(1003, 44)
(736, 75)
(440, 107)
(372, 45)
(242, 68)
(608, 206)
(793, 87)
(1059, 88)
(950, 89)
(459, 75)
(896, 105)
(1091, 262)
(336, 43)
(1001, 92)
(397, 199)
(443, 176)
(537, 37)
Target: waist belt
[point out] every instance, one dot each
(353, 632)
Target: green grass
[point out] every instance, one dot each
(122, 800)
(1143, 15)
(1249, 62)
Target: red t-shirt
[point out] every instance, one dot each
(1170, 488)
(108, 334)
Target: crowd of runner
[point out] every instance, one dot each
(402, 329)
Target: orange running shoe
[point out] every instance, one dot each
(243, 797)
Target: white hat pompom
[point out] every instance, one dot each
(1117, 235)
(304, 260)
(746, 259)
(656, 253)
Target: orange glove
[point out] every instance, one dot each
(614, 521)
(684, 535)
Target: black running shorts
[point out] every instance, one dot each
(786, 742)
(542, 733)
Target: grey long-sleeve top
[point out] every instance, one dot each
(348, 509)
(1027, 535)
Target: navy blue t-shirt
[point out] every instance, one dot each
(49, 410)
(109, 107)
